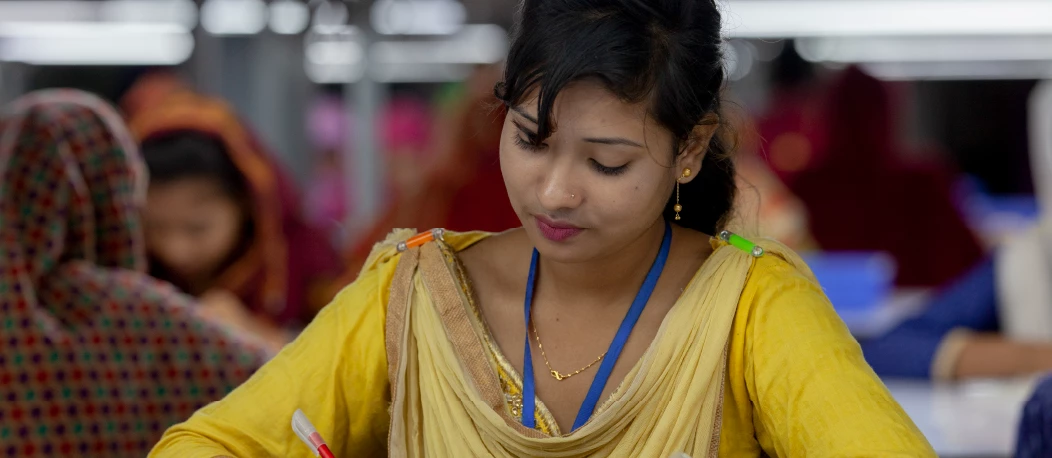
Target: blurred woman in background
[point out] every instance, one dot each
(862, 196)
(223, 222)
(97, 359)
(996, 320)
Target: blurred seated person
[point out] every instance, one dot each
(863, 197)
(995, 321)
(222, 220)
(97, 358)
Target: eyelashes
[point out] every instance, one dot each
(528, 145)
(606, 170)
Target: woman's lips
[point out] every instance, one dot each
(556, 231)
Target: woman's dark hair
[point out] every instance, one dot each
(188, 154)
(663, 52)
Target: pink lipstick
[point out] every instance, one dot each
(556, 231)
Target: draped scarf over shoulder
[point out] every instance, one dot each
(447, 399)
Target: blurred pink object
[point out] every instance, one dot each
(405, 125)
(326, 200)
(404, 129)
(328, 124)
(329, 129)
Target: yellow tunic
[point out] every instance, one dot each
(796, 382)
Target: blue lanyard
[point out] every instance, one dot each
(529, 388)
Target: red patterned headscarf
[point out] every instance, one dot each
(96, 358)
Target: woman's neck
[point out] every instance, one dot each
(606, 278)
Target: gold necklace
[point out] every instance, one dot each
(554, 373)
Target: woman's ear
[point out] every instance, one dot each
(693, 153)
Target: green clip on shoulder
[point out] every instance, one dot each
(741, 243)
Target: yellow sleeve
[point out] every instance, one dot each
(798, 377)
(336, 372)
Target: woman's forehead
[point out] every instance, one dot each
(588, 104)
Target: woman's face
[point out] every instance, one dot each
(192, 226)
(598, 183)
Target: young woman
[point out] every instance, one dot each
(612, 323)
(97, 359)
(222, 222)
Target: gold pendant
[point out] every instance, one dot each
(557, 376)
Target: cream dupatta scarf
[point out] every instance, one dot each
(447, 399)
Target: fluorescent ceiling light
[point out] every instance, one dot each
(331, 14)
(334, 74)
(738, 58)
(289, 17)
(818, 18)
(181, 12)
(47, 11)
(234, 17)
(911, 71)
(417, 17)
(925, 49)
(419, 73)
(85, 43)
(334, 45)
(475, 44)
(334, 54)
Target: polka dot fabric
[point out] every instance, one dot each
(96, 358)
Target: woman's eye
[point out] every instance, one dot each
(606, 170)
(527, 145)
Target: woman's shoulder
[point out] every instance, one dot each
(780, 281)
(773, 264)
(781, 269)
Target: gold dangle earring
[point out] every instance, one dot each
(678, 208)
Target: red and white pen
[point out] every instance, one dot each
(309, 435)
